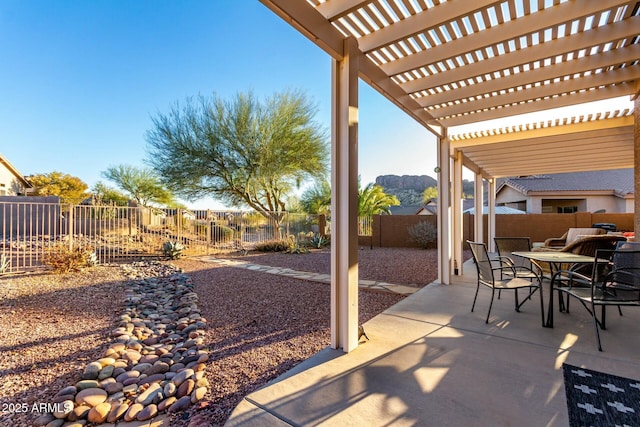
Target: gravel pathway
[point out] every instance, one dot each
(259, 325)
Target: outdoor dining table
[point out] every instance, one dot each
(555, 260)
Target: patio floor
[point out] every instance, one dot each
(430, 361)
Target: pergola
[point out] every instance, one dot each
(452, 64)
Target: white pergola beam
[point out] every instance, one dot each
(562, 13)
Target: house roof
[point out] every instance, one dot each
(14, 171)
(620, 181)
(500, 210)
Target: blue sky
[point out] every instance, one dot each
(81, 80)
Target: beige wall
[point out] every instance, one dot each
(9, 185)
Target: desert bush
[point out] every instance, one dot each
(294, 246)
(423, 233)
(62, 259)
(173, 249)
(277, 245)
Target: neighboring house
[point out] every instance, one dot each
(431, 207)
(12, 182)
(598, 191)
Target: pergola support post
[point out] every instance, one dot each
(457, 213)
(444, 231)
(636, 165)
(478, 200)
(491, 229)
(344, 199)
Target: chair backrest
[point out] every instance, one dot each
(623, 277)
(483, 262)
(506, 245)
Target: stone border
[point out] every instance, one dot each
(315, 277)
(156, 363)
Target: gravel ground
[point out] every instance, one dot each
(259, 325)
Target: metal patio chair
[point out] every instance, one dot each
(614, 281)
(487, 277)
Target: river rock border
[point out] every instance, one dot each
(156, 362)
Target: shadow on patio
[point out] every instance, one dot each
(431, 361)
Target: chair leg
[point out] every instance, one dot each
(517, 305)
(490, 305)
(595, 324)
(603, 320)
(475, 297)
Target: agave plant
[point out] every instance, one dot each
(5, 264)
(173, 249)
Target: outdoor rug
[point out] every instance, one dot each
(599, 399)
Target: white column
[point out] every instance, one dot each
(444, 232)
(636, 162)
(478, 200)
(457, 213)
(491, 232)
(344, 199)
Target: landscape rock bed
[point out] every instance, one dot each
(157, 359)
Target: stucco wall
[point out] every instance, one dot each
(9, 185)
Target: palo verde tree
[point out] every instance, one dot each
(70, 189)
(141, 184)
(242, 151)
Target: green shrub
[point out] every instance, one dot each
(423, 233)
(173, 249)
(61, 259)
(221, 233)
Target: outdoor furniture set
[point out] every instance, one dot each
(596, 269)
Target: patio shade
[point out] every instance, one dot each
(451, 63)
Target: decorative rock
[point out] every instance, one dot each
(78, 423)
(67, 390)
(186, 388)
(133, 412)
(79, 412)
(62, 398)
(158, 368)
(91, 396)
(147, 413)
(155, 378)
(198, 394)
(106, 372)
(150, 395)
(98, 414)
(180, 404)
(64, 409)
(84, 384)
(43, 420)
(141, 367)
(55, 423)
(182, 376)
(113, 388)
(130, 389)
(106, 361)
(170, 389)
(117, 411)
(91, 371)
(126, 375)
(162, 406)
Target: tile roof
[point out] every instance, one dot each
(620, 181)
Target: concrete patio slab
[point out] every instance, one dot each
(430, 361)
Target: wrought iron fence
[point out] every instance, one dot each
(29, 229)
(365, 224)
